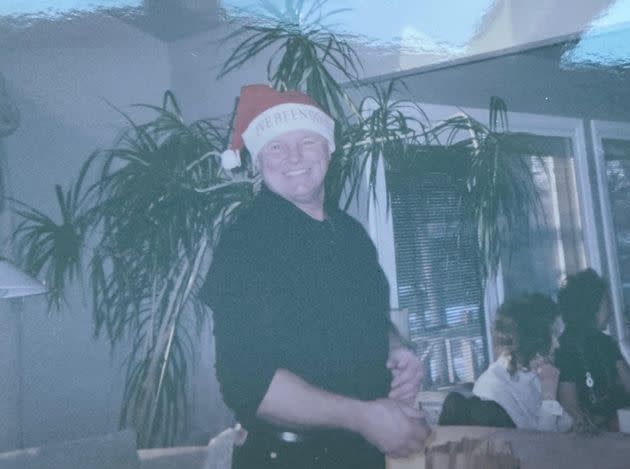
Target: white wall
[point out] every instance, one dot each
(9, 370)
(195, 65)
(59, 75)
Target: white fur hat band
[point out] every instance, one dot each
(286, 117)
(263, 114)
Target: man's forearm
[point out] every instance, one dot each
(392, 427)
(292, 402)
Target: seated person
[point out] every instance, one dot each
(594, 378)
(523, 380)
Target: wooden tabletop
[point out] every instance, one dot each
(539, 450)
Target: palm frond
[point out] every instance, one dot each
(303, 48)
(53, 248)
(383, 128)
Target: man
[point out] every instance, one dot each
(301, 309)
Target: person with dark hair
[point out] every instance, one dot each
(594, 378)
(523, 379)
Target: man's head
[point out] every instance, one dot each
(289, 138)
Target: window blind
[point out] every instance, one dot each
(437, 269)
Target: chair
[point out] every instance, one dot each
(458, 409)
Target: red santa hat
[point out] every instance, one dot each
(263, 114)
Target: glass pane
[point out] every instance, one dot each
(617, 156)
(437, 276)
(550, 243)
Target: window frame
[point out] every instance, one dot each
(379, 222)
(600, 130)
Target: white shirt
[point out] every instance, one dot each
(520, 395)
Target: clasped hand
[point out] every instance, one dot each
(395, 425)
(396, 429)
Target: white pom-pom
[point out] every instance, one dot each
(230, 159)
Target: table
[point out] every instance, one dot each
(539, 450)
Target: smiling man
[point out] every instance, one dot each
(300, 308)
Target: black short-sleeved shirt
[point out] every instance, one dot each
(595, 353)
(288, 291)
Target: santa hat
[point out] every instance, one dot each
(263, 114)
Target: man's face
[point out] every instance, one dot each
(294, 166)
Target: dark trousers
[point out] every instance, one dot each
(326, 451)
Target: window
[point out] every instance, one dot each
(611, 142)
(617, 164)
(550, 244)
(438, 281)
(434, 273)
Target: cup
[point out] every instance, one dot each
(623, 415)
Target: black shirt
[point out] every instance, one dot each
(595, 353)
(288, 291)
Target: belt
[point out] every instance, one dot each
(317, 437)
(322, 449)
(293, 437)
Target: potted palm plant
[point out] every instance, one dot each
(144, 229)
(147, 225)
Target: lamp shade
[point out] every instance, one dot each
(15, 283)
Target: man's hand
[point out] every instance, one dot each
(407, 373)
(394, 428)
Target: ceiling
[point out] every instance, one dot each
(170, 20)
(545, 79)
